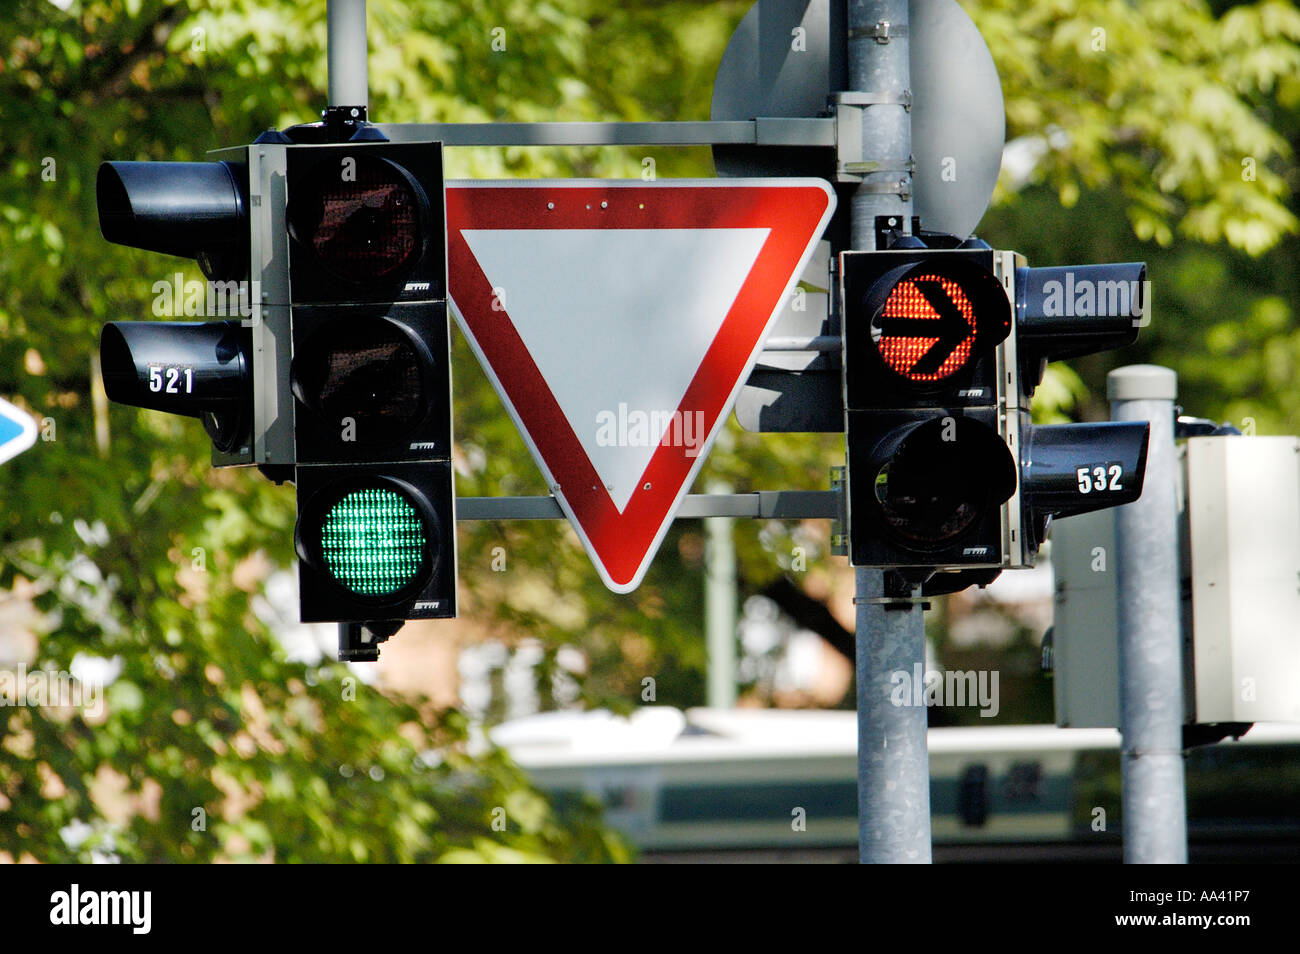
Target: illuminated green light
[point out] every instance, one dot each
(373, 541)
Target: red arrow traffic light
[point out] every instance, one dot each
(927, 329)
(929, 468)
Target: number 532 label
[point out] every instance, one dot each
(1100, 478)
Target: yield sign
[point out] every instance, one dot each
(618, 321)
(17, 431)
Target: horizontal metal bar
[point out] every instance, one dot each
(508, 508)
(818, 343)
(795, 131)
(765, 504)
(778, 131)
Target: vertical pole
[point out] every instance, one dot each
(349, 85)
(893, 758)
(1150, 641)
(720, 607)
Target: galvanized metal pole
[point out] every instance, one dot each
(893, 759)
(1150, 641)
(720, 606)
(349, 85)
(348, 81)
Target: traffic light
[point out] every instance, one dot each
(330, 364)
(949, 480)
(1067, 469)
(370, 381)
(929, 466)
(196, 210)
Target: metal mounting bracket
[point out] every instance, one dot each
(851, 163)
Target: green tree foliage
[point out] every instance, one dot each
(130, 546)
(1163, 101)
(1142, 132)
(1181, 154)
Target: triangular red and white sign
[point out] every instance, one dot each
(618, 320)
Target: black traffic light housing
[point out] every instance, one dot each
(920, 326)
(949, 479)
(916, 508)
(411, 575)
(341, 380)
(929, 466)
(367, 223)
(370, 382)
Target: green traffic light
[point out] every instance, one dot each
(373, 541)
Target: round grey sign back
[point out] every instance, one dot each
(787, 61)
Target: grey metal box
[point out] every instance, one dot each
(1085, 629)
(1244, 525)
(1239, 503)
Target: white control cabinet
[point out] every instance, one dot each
(1240, 546)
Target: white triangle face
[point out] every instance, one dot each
(632, 300)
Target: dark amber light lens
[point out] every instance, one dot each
(366, 372)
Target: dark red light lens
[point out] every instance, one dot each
(363, 219)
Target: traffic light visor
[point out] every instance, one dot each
(191, 209)
(198, 369)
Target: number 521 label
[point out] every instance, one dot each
(1100, 478)
(171, 379)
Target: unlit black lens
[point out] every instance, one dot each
(366, 378)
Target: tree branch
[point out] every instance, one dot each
(811, 614)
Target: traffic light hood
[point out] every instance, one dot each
(198, 369)
(1070, 310)
(1069, 469)
(190, 209)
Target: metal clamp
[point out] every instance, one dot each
(848, 107)
(902, 188)
(882, 32)
(878, 98)
(893, 602)
(839, 525)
